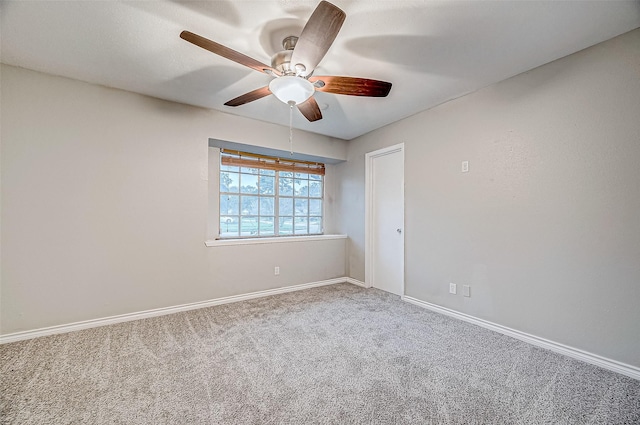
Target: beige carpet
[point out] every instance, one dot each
(332, 355)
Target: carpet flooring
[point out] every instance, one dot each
(338, 354)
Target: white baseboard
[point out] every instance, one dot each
(86, 324)
(594, 359)
(355, 282)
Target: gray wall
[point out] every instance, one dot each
(104, 205)
(546, 225)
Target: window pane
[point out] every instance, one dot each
(315, 189)
(249, 226)
(249, 183)
(286, 206)
(301, 187)
(300, 227)
(249, 170)
(302, 206)
(228, 226)
(286, 225)
(229, 204)
(267, 172)
(266, 226)
(267, 206)
(286, 186)
(228, 168)
(315, 177)
(315, 206)
(302, 176)
(315, 225)
(229, 182)
(288, 174)
(267, 185)
(249, 205)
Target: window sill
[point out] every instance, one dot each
(281, 239)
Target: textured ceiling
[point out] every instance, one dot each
(431, 51)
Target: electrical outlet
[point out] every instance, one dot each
(453, 288)
(465, 166)
(466, 290)
(276, 271)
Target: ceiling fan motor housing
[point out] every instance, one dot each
(281, 61)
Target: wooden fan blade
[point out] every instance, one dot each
(310, 109)
(317, 36)
(353, 86)
(226, 52)
(250, 97)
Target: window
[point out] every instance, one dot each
(262, 196)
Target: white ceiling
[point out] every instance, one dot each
(431, 51)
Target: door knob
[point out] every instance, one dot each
(399, 231)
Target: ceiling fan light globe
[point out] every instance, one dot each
(291, 89)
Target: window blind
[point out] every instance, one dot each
(246, 159)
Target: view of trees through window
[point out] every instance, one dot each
(257, 202)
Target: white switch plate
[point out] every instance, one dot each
(276, 270)
(453, 288)
(465, 166)
(466, 290)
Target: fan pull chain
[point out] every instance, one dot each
(291, 105)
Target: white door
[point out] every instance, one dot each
(384, 240)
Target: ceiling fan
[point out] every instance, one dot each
(293, 67)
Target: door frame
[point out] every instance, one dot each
(369, 213)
